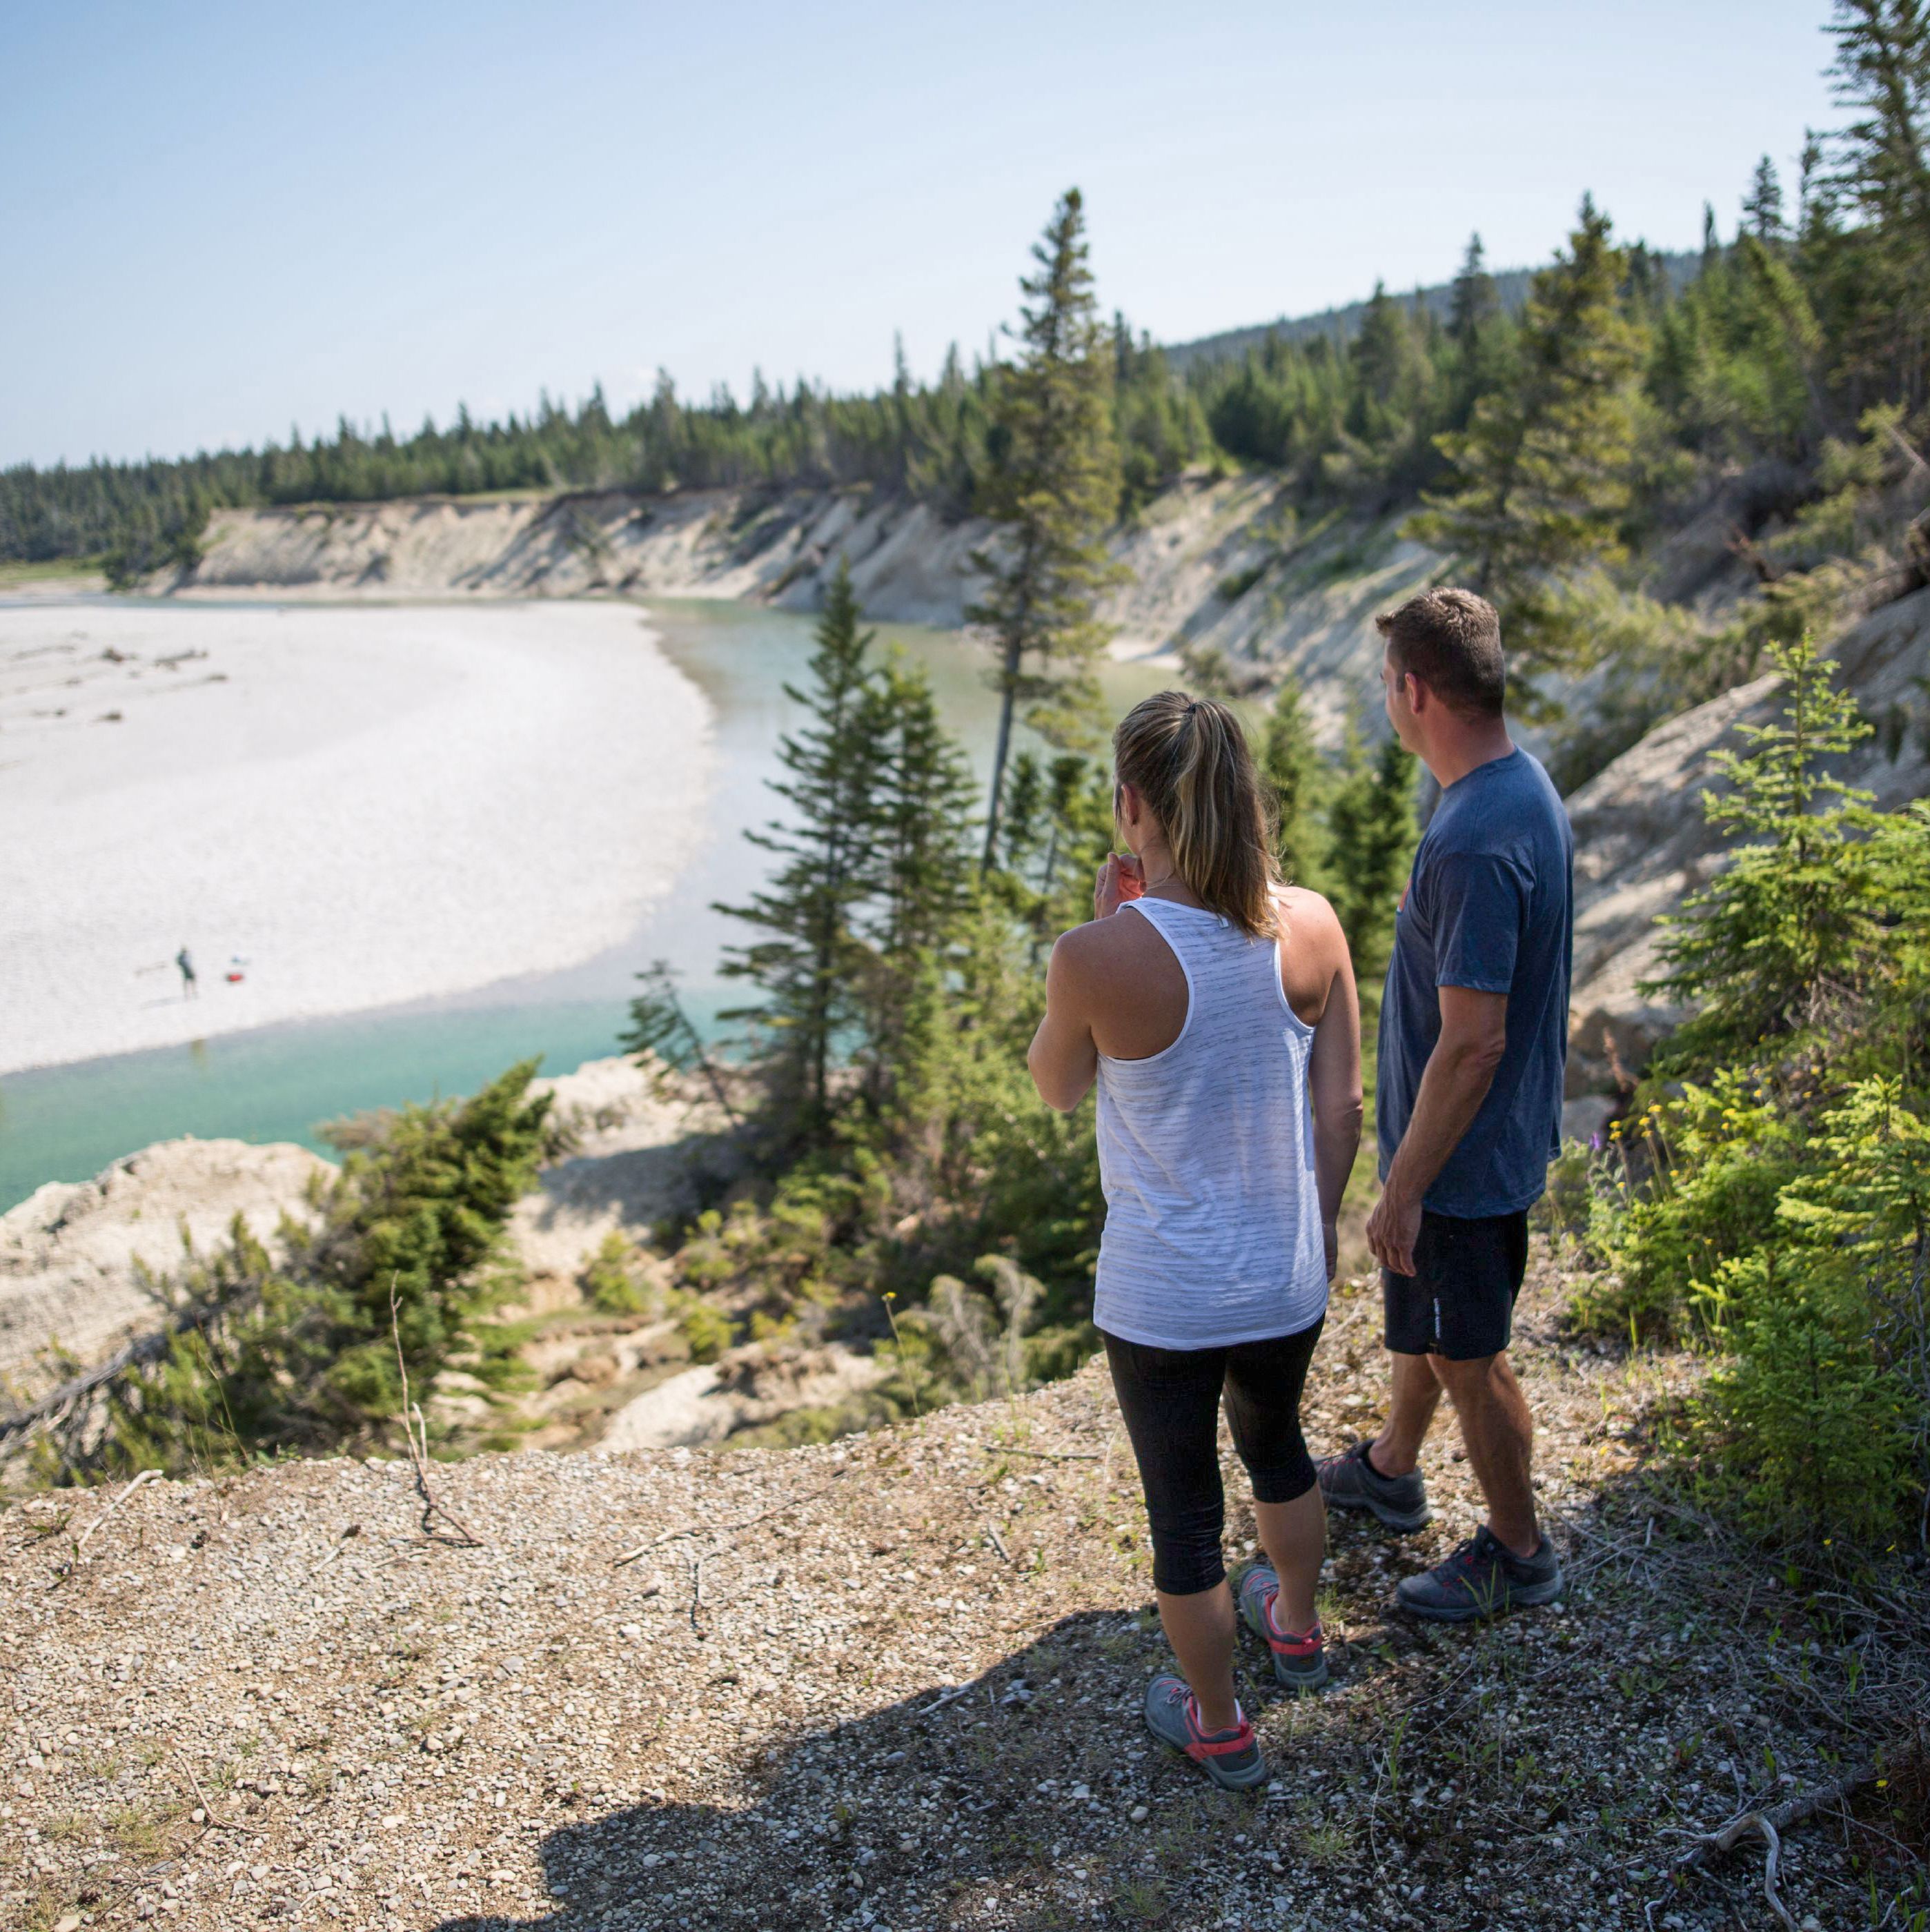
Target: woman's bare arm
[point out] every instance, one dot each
(1063, 1058)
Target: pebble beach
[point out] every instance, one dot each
(333, 808)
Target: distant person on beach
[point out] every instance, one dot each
(190, 987)
(1468, 1103)
(1214, 1008)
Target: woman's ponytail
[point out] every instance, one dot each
(1188, 759)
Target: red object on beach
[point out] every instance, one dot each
(234, 979)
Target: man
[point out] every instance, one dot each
(1473, 1043)
(191, 988)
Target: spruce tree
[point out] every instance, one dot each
(1053, 488)
(1020, 836)
(1295, 771)
(1474, 304)
(1544, 470)
(1779, 933)
(812, 964)
(1762, 206)
(920, 815)
(1477, 334)
(1372, 830)
(1881, 181)
(1077, 821)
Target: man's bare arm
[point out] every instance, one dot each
(1460, 1071)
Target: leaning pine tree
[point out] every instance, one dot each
(1053, 488)
(812, 964)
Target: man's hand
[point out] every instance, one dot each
(1393, 1228)
(1331, 1240)
(1120, 878)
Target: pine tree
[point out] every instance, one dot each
(1782, 928)
(1371, 833)
(1544, 468)
(812, 967)
(1478, 336)
(1078, 812)
(1053, 487)
(1881, 179)
(1295, 772)
(1762, 206)
(920, 813)
(1474, 305)
(1020, 835)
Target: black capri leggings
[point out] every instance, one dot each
(1170, 1398)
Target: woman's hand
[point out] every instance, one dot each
(1120, 878)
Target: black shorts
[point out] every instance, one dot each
(1460, 1302)
(1170, 1400)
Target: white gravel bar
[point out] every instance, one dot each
(348, 807)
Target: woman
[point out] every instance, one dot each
(1215, 1008)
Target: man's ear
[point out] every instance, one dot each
(1417, 694)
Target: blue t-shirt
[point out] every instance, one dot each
(1489, 905)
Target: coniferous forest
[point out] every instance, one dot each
(1561, 430)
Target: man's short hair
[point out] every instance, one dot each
(1451, 640)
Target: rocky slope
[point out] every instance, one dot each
(76, 1258)
(893, 1683)
(1220, 563)
(1642, 843)
(80, 1264)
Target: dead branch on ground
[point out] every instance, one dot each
(416, 1434)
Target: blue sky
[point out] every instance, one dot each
(217, 219)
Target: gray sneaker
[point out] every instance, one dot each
(1350, 1481)
(1300, 1662)
(1481, 1579)
(1231, 1759)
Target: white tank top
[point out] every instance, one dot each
(1206, 1155)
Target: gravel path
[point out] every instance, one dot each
(889, 1683)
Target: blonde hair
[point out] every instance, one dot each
(1188, 759)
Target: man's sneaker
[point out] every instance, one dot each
(1231, 1759)
(1350, 1481)
(1482, 1578)
(1299, 1662)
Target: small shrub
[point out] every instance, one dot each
(707, 1330)
(1809, 1435)
(1706, 1171)
(607, 1283)
(1233, 587)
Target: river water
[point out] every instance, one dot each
(279, 1083)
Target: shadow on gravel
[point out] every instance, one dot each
(908, 1818)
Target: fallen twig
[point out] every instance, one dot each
(341, 1544)
(944, 1698)
(716, 1528)
(418, 1449)
(146, 1476)
(216, 1822)
(1050, 1455)
(997, 1541)
(1770, 1826)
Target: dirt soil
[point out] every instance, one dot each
(893, 1682)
